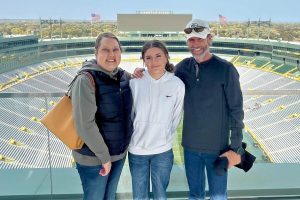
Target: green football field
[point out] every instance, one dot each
(177, 149)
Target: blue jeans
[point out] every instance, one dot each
(159, 166)
(95, 186)
(195, 165)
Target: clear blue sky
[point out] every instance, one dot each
(234, 10)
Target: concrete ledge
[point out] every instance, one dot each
(263, 181)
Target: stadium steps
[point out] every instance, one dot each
(234, 59)
(290, 72)
(278, 131)
(282, 69)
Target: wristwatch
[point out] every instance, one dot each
(239, 150)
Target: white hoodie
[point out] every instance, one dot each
(157, 111)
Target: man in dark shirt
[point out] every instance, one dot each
(213, 113)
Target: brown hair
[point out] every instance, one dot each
(158, 44)
(105, 35)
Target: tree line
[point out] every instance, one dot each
(276, 31)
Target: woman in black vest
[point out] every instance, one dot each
(102, 102)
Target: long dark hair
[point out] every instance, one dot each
(158, 44)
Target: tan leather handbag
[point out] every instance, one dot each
(60, 122)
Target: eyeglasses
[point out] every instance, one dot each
(196, 29)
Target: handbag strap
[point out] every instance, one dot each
(89, 75)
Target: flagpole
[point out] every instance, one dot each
(50, 29)
(41, 34)
(218, 24)
(91, 28)
(95, 18)
(269, 29)
(248, 28)
(258, 29)
(222, 21)
(60, 26)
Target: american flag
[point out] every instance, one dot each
(95, 17)
(222, 20)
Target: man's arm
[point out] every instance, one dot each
(138, 72)
(234, 99)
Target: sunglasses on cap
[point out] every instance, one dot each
(196, 29)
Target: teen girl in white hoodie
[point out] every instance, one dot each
(158, 100)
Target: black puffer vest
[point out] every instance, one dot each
(113, 116)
